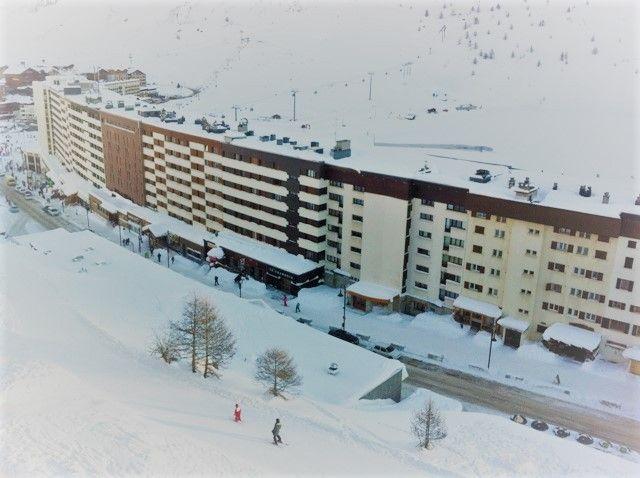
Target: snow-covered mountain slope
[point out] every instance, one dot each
(81, 395)
(555, 83)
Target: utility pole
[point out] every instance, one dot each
(167, 243)
(293, 93)
(370, 81)
(235, 110)
(443, 30)
(343, 294)
(119, 230)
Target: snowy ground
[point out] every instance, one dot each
(81, 395)
(555, 83)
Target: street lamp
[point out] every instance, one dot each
(493, 339)
(343, 294)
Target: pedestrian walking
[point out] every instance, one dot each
(284, 300)
(237, 414)
(276, 432)
(297, 307)
(159, 257)
(215, 280)
(557, 380)
(173, 259)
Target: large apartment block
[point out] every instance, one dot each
(407, 242)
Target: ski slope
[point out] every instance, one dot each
(81, 395)
(554, 83)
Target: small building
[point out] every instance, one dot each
(571, 341)
(476, 313)
(512, 330)
(31, 161)
(633, 354)
(22, 77)
(366, 295)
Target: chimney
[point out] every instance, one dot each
(605, 198)
(512, 182)
(342, 149)
(555, 186)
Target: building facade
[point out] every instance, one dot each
(423, 244)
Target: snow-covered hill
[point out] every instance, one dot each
(555, 83)
(79, 393)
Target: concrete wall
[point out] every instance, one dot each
(390, 388)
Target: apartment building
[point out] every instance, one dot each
(486, 246)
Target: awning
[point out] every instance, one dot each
(514, 324)
(477, 306)
(373, 292)
(571, 335)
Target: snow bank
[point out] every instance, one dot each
(477, 306)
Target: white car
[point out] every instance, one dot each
(28, 194)
(52, 211)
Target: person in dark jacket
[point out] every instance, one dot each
(276, 432)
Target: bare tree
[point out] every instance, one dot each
(165, 347)
(188, 329)
(277, 369)
(428, 425)
(218, 343)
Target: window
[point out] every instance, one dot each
(426, 217)
(311, 173)
(424, 234)
(422, 268)
(563, 230)
(494, 272)
(424, 252)
(358, 188)
(602, 238)
(553, 287)
(356, 234)
(475, 268)
(336, 184)
(531, 252)
(335, 197)
(355, 265)
(601, 255)
(525, 312)
(496, 253)
(455, 207)
(628, 262)
(561, 246)
(636, 330)
(617, 305)
(554, 266)
(427, 202)
(615, 325)
(631, 244)
(356, 218)
(525, 291)
(499, 233)
(584, 235)
(479, 230)
(635, 309)
(333, 259)
(583, 251)
(534, 232)
(449, 223)
(492, 291)
(553, 307)
(477, 249)
(527, 272)
(540, 328)
(472, 286)
(356, 250)
(421, 285)
(501, 219)
(624, 284)
(359, 202)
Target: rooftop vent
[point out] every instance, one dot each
(342, 149)
(321, 151)
(526, 189)
(264, 139)
(109, 105)
(120, 104)
(128, 108)
(585, 191)
(285, 139)
(279, 142)
(315, 144)
(293, 143)
(481, 176)
(276, 116)
(605, 198)
(512, 182)
(555, 186)
(637, 203)
(272, 137)
(243, 126)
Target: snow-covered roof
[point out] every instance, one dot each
(571, 335)
(264, 253)
(477, 306)
(632, 353)
(216, 253)
(512, 323)
(373, 291)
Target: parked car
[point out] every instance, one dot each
(28, 194)
(10, 180)
(14, 208)
(382, 350)
(344, 335)
(20, 189)
(52, 210)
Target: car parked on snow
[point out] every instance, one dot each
(344, 335)
(385, 351)
(28, 194)
(51, 210)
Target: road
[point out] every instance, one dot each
(33, 209)
(511, 400)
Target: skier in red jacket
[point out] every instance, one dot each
(237, 414)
